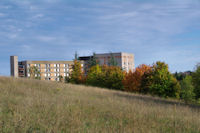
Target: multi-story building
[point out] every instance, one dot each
(123, 60)
(53, 70)
(48, 70)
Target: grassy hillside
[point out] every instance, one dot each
(40, 106)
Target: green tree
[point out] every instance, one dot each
(112, 77)
(34, 72)
(187, 89)
(94, 76)
(196, 81)
(105, 76)
(161, 82)
(112, 61)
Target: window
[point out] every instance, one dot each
(58, 65)
(54, 70)
(54, 65)
(64, 65)
(64, 74)
(81, 65)
(45, 75)
(67, 65)
(45, 70)
(48, 74)
(54, 74)
(28, 74)
(35, 64)
(58, 70)
(28, 65)
(64, 70)
(47, 65)
(67, 69)
(67, 74)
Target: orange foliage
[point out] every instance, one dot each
(133, 80)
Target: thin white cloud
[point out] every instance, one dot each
(2, 14)
(37, 16)
(46, 38)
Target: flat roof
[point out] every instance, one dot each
(48, 62)
(107, 54)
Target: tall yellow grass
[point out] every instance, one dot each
(40, 106)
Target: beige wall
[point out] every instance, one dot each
(43, 67)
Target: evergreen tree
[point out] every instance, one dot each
(76, 56)
(112, 61)
(93, 61)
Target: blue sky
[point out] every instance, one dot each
(165, 30)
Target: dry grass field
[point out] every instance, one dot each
(50, 107)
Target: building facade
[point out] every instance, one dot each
(123, 60)
(53, 70)
(48, 70)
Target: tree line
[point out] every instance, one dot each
(152, 79)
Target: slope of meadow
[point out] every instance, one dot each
(40, 106)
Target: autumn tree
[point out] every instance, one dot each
(133, 80)
(77, 75)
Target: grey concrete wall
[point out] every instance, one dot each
(104, 59)
(14, 66)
